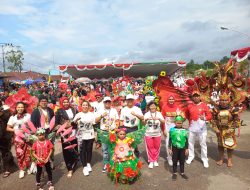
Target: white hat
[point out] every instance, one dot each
(130, 96)
(105, 99)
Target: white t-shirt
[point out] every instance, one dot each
(85, 125)
(128, 119)
(108, 122)
(17, 123)
(97, 106)
(153, 127)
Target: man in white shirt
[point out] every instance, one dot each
(108, 118)
(130, 117)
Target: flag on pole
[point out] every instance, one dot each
(49, 79)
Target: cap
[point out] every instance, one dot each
(105, 99)
(179, 118)
(98, 94)
(130, 96)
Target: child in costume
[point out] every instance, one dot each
(124, 167)
(42, 150)
(178, 146)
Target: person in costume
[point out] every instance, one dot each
(109, 119)
(153, 121)
(85, 135)
(66, 114)
(198, 113)
(178, 146)
(42, 150)
(5, 141)
(130, 117)
(124, 167)
(225, 121)
(22, 147)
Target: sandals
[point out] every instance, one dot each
(6, 174)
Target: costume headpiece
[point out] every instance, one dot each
(179, 118)
(121, 129)
(40, 131)
(225, 96)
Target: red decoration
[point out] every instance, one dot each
(129, 173)
(112, 137)
(139, 165)
(22, 96)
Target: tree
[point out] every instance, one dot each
(224, 60)
(15, 58)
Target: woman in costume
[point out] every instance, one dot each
(66, 115)
(22, 148)
(124, 167)
(225, 121)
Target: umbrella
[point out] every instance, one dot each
(83, 80)
(28, 82)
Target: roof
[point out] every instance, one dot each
(100, 71)
(17, 76)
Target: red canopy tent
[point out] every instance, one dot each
(136, 70)
(241, 54)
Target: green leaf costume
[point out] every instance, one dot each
(178, 137)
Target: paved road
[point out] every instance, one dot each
(213, 178)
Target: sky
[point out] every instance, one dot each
(62, 32)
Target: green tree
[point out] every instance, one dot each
(15, 58)
(224, 60)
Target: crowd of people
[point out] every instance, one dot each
(114, 119)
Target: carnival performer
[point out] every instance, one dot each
(130, 117)
(178, 146)
(109, 121)
(5, 141)
(153, 121)
(20, 117)
(85, 135)
(225, 121)
(124, 167)
(198, 113)
(66, 114)
(42, 150)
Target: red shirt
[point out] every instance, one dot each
(194, 111)
(42, 150)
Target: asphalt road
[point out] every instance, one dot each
(213, 178)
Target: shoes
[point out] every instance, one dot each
(89, 167)
(104, 169)
(151, 165)
(70, 173)
(51, 187)
(156, 164)
(85, 171)
(189, 160)
(38, 186)
(205, 164)
(21, 174)
(184, 176)
(174, 177)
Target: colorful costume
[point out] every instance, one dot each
(224, 119)
(124, 166)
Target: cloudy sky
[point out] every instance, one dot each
(102, 31)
